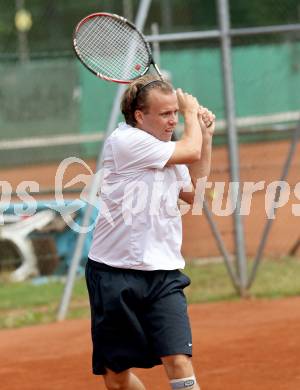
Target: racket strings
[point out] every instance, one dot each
(112, 48)
(92, 38)
(108, 56)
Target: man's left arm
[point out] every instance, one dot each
(201, 169)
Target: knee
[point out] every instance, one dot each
(116, 381)
(115, 385)
(178, 366)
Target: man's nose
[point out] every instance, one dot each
(173, 118)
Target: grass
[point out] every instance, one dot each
(275, 279)
(23, 304)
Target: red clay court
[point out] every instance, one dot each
(246, 345)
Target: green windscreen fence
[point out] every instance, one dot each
(38, 99)
(60, 97)
(267, 79)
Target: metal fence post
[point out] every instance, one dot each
(266, 231)
(224, 23)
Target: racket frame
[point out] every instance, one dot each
(132, 26)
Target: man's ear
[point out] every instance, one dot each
(139, 117)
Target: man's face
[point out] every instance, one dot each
(161, 116)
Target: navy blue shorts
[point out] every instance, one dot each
(137, 316)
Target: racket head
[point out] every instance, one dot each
(111, 47)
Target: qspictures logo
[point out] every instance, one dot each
(101, 189)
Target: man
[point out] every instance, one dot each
(138, 308)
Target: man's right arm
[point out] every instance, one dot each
(188, 148)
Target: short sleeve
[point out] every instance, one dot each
(134, 149)
(183, 175)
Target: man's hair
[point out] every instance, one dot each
(136, 95)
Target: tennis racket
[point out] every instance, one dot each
(112, 48)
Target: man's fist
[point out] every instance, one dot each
(206, 119)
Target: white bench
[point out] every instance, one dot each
(17, 232)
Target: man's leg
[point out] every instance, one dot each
(180, 371)
(124, 380)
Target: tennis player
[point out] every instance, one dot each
(138, 308)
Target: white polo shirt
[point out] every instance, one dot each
(139, 224)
